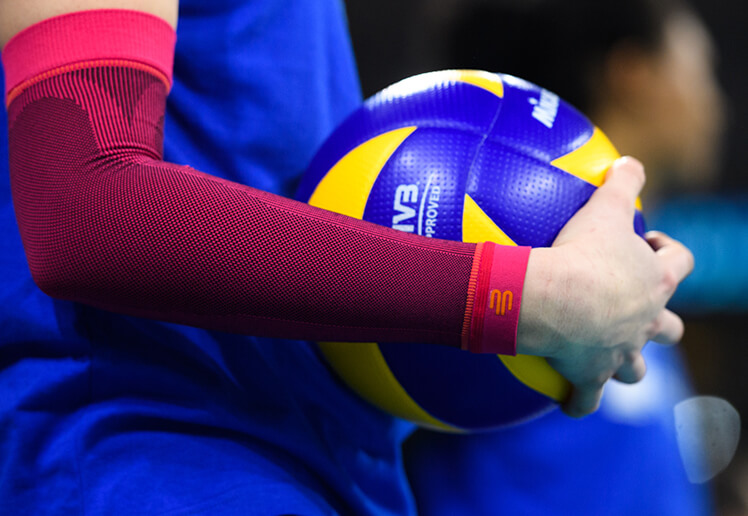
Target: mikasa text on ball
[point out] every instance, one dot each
(460, 155)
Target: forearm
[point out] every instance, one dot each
(106, 222)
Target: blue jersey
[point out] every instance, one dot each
(102, 413)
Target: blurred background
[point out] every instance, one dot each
(666, 81)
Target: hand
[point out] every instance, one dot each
(593, 299)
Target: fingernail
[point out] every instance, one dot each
(628, 160)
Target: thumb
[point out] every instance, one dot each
(618, 194)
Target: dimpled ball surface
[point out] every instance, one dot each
(462, 155)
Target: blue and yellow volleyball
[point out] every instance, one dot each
(462, 155)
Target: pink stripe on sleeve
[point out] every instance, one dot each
(498, 299)
(86, 36)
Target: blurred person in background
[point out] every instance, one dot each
(643, 71)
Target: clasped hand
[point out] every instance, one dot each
(597, 296)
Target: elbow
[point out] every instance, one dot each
(55, 289)
(51, 277)
(54, 258)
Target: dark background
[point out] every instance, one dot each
(394, 39)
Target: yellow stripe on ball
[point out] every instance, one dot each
(537, 374)
(490, 82)
(534, 372)
(346, 187)
(376, 381)
(477, 227)
(590, 161)
(486, 80)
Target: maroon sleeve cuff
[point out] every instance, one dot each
(491, 325)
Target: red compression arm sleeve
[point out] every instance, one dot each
(105, 221)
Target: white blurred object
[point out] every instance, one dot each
(642, 403)
(650, 401)
(708, 431)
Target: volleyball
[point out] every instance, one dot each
(462, 155)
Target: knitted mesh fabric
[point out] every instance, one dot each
(105, 221)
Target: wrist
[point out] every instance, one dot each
(557, 303)
(538, 329)
(495, 299)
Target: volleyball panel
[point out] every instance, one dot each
(459, 155)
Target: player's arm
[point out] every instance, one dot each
(106, 222)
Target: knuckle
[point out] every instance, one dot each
(690, 260)
(678, 329)
(589, 407)
(637, 172)
(669, 281)
(634, 168)
(631, 356)
(600, 379)
(637, 372)
(618, 201)
(654, 328)
(654, 234)
(573, 411)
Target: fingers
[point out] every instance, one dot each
(583, 400)
(675, 257)
(622, 186)
(677, 262)
(668, 328)
(633, 371)
(658, 240)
